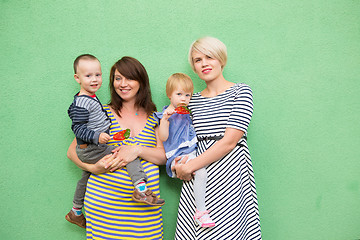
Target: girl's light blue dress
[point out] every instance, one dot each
(182, 138)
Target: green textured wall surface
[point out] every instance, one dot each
(301, 58)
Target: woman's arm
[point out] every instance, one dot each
(128, 153)
(154, 155)
(97, 168)
(222, 147)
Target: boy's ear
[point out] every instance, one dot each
(77, 78)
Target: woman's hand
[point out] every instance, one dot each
(182, 171)
(121, 157)
(217, 151)
(99, 167)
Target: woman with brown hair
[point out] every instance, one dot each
(110, 211)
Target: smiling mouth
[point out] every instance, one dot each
(206, 70)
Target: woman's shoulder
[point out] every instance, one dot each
(107, 108)
(241, 88)
(109, 111)
(235, 88)
(197, 94)
(152, 120)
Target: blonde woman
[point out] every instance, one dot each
(221, 115)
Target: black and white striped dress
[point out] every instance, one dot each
(230, 191)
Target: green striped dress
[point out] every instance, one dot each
(110, 211)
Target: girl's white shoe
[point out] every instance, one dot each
(203, 219)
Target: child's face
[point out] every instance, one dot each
(179, 97)
(89, 76)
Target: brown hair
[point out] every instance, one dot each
(132, 69)
(179, 80)
(84, 57)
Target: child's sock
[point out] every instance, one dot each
(77, 211)
(141, 186)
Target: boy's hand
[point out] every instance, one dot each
(104, 138)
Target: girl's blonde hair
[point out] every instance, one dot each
(179, 80)
(211, 47)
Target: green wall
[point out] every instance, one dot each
(301, 59)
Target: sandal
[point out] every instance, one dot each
(203, 219)
(147, 197)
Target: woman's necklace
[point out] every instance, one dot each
(136, 111)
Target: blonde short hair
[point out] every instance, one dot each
(179, 80)
(211, 47)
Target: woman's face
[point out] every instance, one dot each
(125, 88)
(206, 67)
